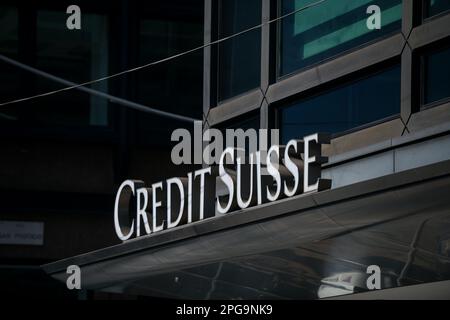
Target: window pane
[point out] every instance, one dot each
(78, 56)
(245, 123)
(348, 106)
(330, 28)
(434, 7)
(9, 75)
(437, 76)
(239, 57)
(175, 86)
(160, 39)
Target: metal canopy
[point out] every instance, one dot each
(292, 248)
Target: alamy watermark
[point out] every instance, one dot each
(73, 22)
(74, 279)
(206, 146)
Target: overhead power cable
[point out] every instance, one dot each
(82, 86)
(73, 85)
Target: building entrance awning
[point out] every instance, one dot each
(309, 246)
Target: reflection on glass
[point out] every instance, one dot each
(330, 28)
(348, 283)
(434, 7)
(247, 124)
(437, 76)
(408, 242)
(239, 57)
(348, 106)
(78, 56)
(9, 75)
(9, 27)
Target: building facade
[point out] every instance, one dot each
(310, 66)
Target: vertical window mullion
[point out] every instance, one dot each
(265, 60)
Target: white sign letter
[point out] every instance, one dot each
(313, 161)
(292, 167)
(178, 182)
(119, 203)
(141, 213)
(227, 180)
(273, 171)
(155, 205)
(202, 173)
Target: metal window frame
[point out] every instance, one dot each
(212, 33)
(421, 79)
(416, 33)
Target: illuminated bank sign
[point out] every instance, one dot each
(237, 182)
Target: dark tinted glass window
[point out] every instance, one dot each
(437, 76)
(434, 7)
(239, 57)
(330, 28)
(348, 106)
(75, 55)
(9, 75)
